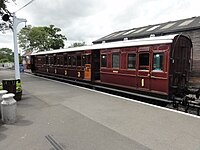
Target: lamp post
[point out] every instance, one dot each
(16, 21)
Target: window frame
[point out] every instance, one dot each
(106, 63)
(54, 59)
(73, 61)
(163, 62)
(69, 60)
(79, 60)
(65, 59)
(85, 59)
(127, 58)
(144, 65)
(46, 59)
(116, 53)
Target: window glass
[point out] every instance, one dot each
(51, 60)
(144, 61)
(69, 61)
(65, 59)
(158, 61)
(115, 60)
(54, 59)
(85, 59)
(103, 61)
(73, 61)
(131, 61)
(78, 60)
(58, 60)
(46, 59)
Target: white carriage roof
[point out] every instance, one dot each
(127, 43)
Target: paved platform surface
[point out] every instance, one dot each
(81, 119)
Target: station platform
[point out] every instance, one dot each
(84, 119)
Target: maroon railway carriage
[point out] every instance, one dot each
(154, 65)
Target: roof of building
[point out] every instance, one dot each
(27, 53)
(170, 27)
(136, 42)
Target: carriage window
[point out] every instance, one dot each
(158, 61)
(73, 61)
(69, 61)
(144, 61)
(65, 59)
(115, 60)
(54, 59)
(85, 59)
(46, 59)
(51, 60)
(103, 61)
(58, 60)
(78, 60)
(131, 61)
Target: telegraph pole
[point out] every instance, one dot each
(14, 24)
(16, 21)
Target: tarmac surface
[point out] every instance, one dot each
(82, 119)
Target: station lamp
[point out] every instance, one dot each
(5, 17)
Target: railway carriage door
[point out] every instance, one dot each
(144, 68)
(159, 81)
(159, 69)
(86, 61)
(33, 69)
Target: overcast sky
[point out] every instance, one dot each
(88, 20)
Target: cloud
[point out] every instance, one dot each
(88, 20)
(68, 15)
(60, 11)
(6, 40)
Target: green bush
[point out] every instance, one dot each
(1, 86)
(18, 86)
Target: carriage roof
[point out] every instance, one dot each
(136, 42)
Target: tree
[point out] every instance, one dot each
(56, 40)
(77, 44)
(38, 38)
(6, 55)
(41, 38)
(3, 5)
(23, 38)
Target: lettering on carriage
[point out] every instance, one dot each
(142, 82)
(65, 72)
(79, 74)
(115, 71)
